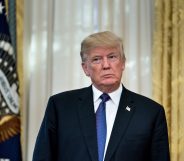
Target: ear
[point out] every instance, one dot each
(123, 65)
(85, 68)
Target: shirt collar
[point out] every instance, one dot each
(115, 96)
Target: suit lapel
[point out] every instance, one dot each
(124, 114)
(87, 122)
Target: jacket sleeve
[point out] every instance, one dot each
(160, 144)
(46, 143)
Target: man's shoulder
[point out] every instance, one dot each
(143, 101)
(72, 93)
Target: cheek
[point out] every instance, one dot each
(95, 73)
(121, 67)
(118, 70)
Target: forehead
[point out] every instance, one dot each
(103, 50)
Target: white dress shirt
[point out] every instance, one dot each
(111, 108)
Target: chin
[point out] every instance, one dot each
(109, 87)
(109, 83)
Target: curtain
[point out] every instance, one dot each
(168, 69)
(53, 33)
(19, 37)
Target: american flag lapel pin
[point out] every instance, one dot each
(128, 108)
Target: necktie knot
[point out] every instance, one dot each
(105, 97)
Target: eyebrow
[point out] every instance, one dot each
(111, 53)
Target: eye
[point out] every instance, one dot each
(112, 57)
(96, 60)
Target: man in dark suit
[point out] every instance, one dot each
(103, 122)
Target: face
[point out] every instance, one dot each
(104, 66)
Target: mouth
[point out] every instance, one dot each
(107, 76)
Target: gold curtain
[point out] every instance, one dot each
(168, 69)
(19, 39)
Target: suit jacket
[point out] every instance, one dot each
(68, 130)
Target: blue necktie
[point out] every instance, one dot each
(101, 126)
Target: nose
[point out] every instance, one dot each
(105, 63)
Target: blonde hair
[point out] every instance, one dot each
(104, 39)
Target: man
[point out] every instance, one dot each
(104, 121)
